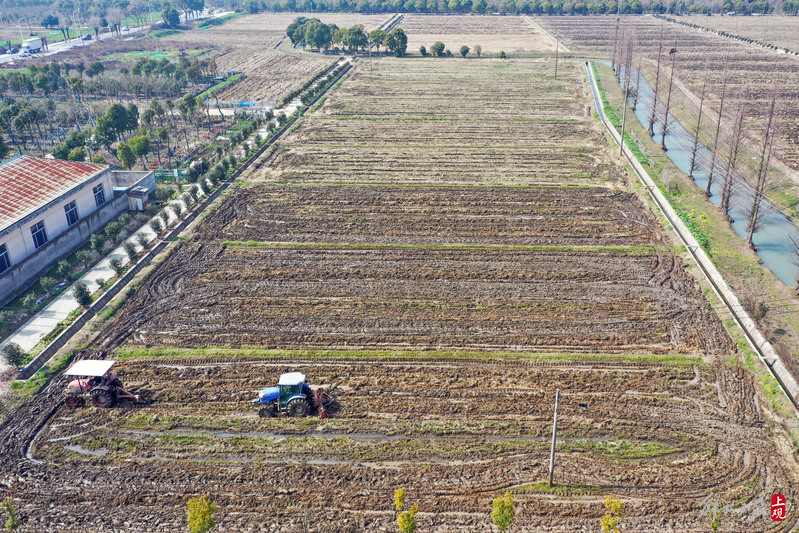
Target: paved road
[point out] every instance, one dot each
(15, 60)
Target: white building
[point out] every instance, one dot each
(49, 207)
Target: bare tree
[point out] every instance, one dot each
(733, 156)
(115, 16)
(698, 128)
(673, 54)
(630, 43)
(724, 80)
(756, 212)
(637, 91)
(615, 48)
(653, 112)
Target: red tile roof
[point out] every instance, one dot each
(28, 183)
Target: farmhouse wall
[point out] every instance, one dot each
(17, 278)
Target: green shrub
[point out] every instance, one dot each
(82, 294)
(117, 266)
(13, 354)
(130, 249)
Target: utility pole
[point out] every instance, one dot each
(557, 45)
(554, 439)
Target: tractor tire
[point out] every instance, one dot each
(268, 411)
(298, 407)
(74, 401)
(102, 397)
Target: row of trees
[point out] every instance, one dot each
(315, 34)
(723, 163)
(94, 79)
(529, 7)
(438, 49)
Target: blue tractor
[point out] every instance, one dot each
(292, 395)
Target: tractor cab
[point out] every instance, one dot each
(291, 386)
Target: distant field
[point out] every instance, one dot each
(450, 121)
(778, 30)
(508, 33)
(248, 45)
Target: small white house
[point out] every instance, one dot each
(49, 207)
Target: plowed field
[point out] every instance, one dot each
(443, 311)
(661, 435)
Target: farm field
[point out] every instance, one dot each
(750, 68)
(250, 45)
(782, 31)
(511, 34)
(442, 121)
(444, 294)
(453, 432)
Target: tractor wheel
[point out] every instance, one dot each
(298, 407)
(268, 411)
(74, 401)
(102, 397)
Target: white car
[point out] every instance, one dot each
(24, 53)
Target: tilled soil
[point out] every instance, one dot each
(394, 215)
(443, 320)
(450, 298)
(661, 436)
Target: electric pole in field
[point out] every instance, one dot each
(554, 438)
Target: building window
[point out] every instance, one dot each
(5, 262)
(39, 234)
(99, 195)
(71, 209)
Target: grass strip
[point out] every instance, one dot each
(229, 81)
(610, 113)
(129, 352)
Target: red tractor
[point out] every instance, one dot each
(98, 383)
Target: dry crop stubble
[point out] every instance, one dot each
(248, 45)
(445, 122)
(511, 34)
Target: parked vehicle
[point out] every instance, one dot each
(32, 46)
(87, 37)
(14, 50)
(24, 53)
